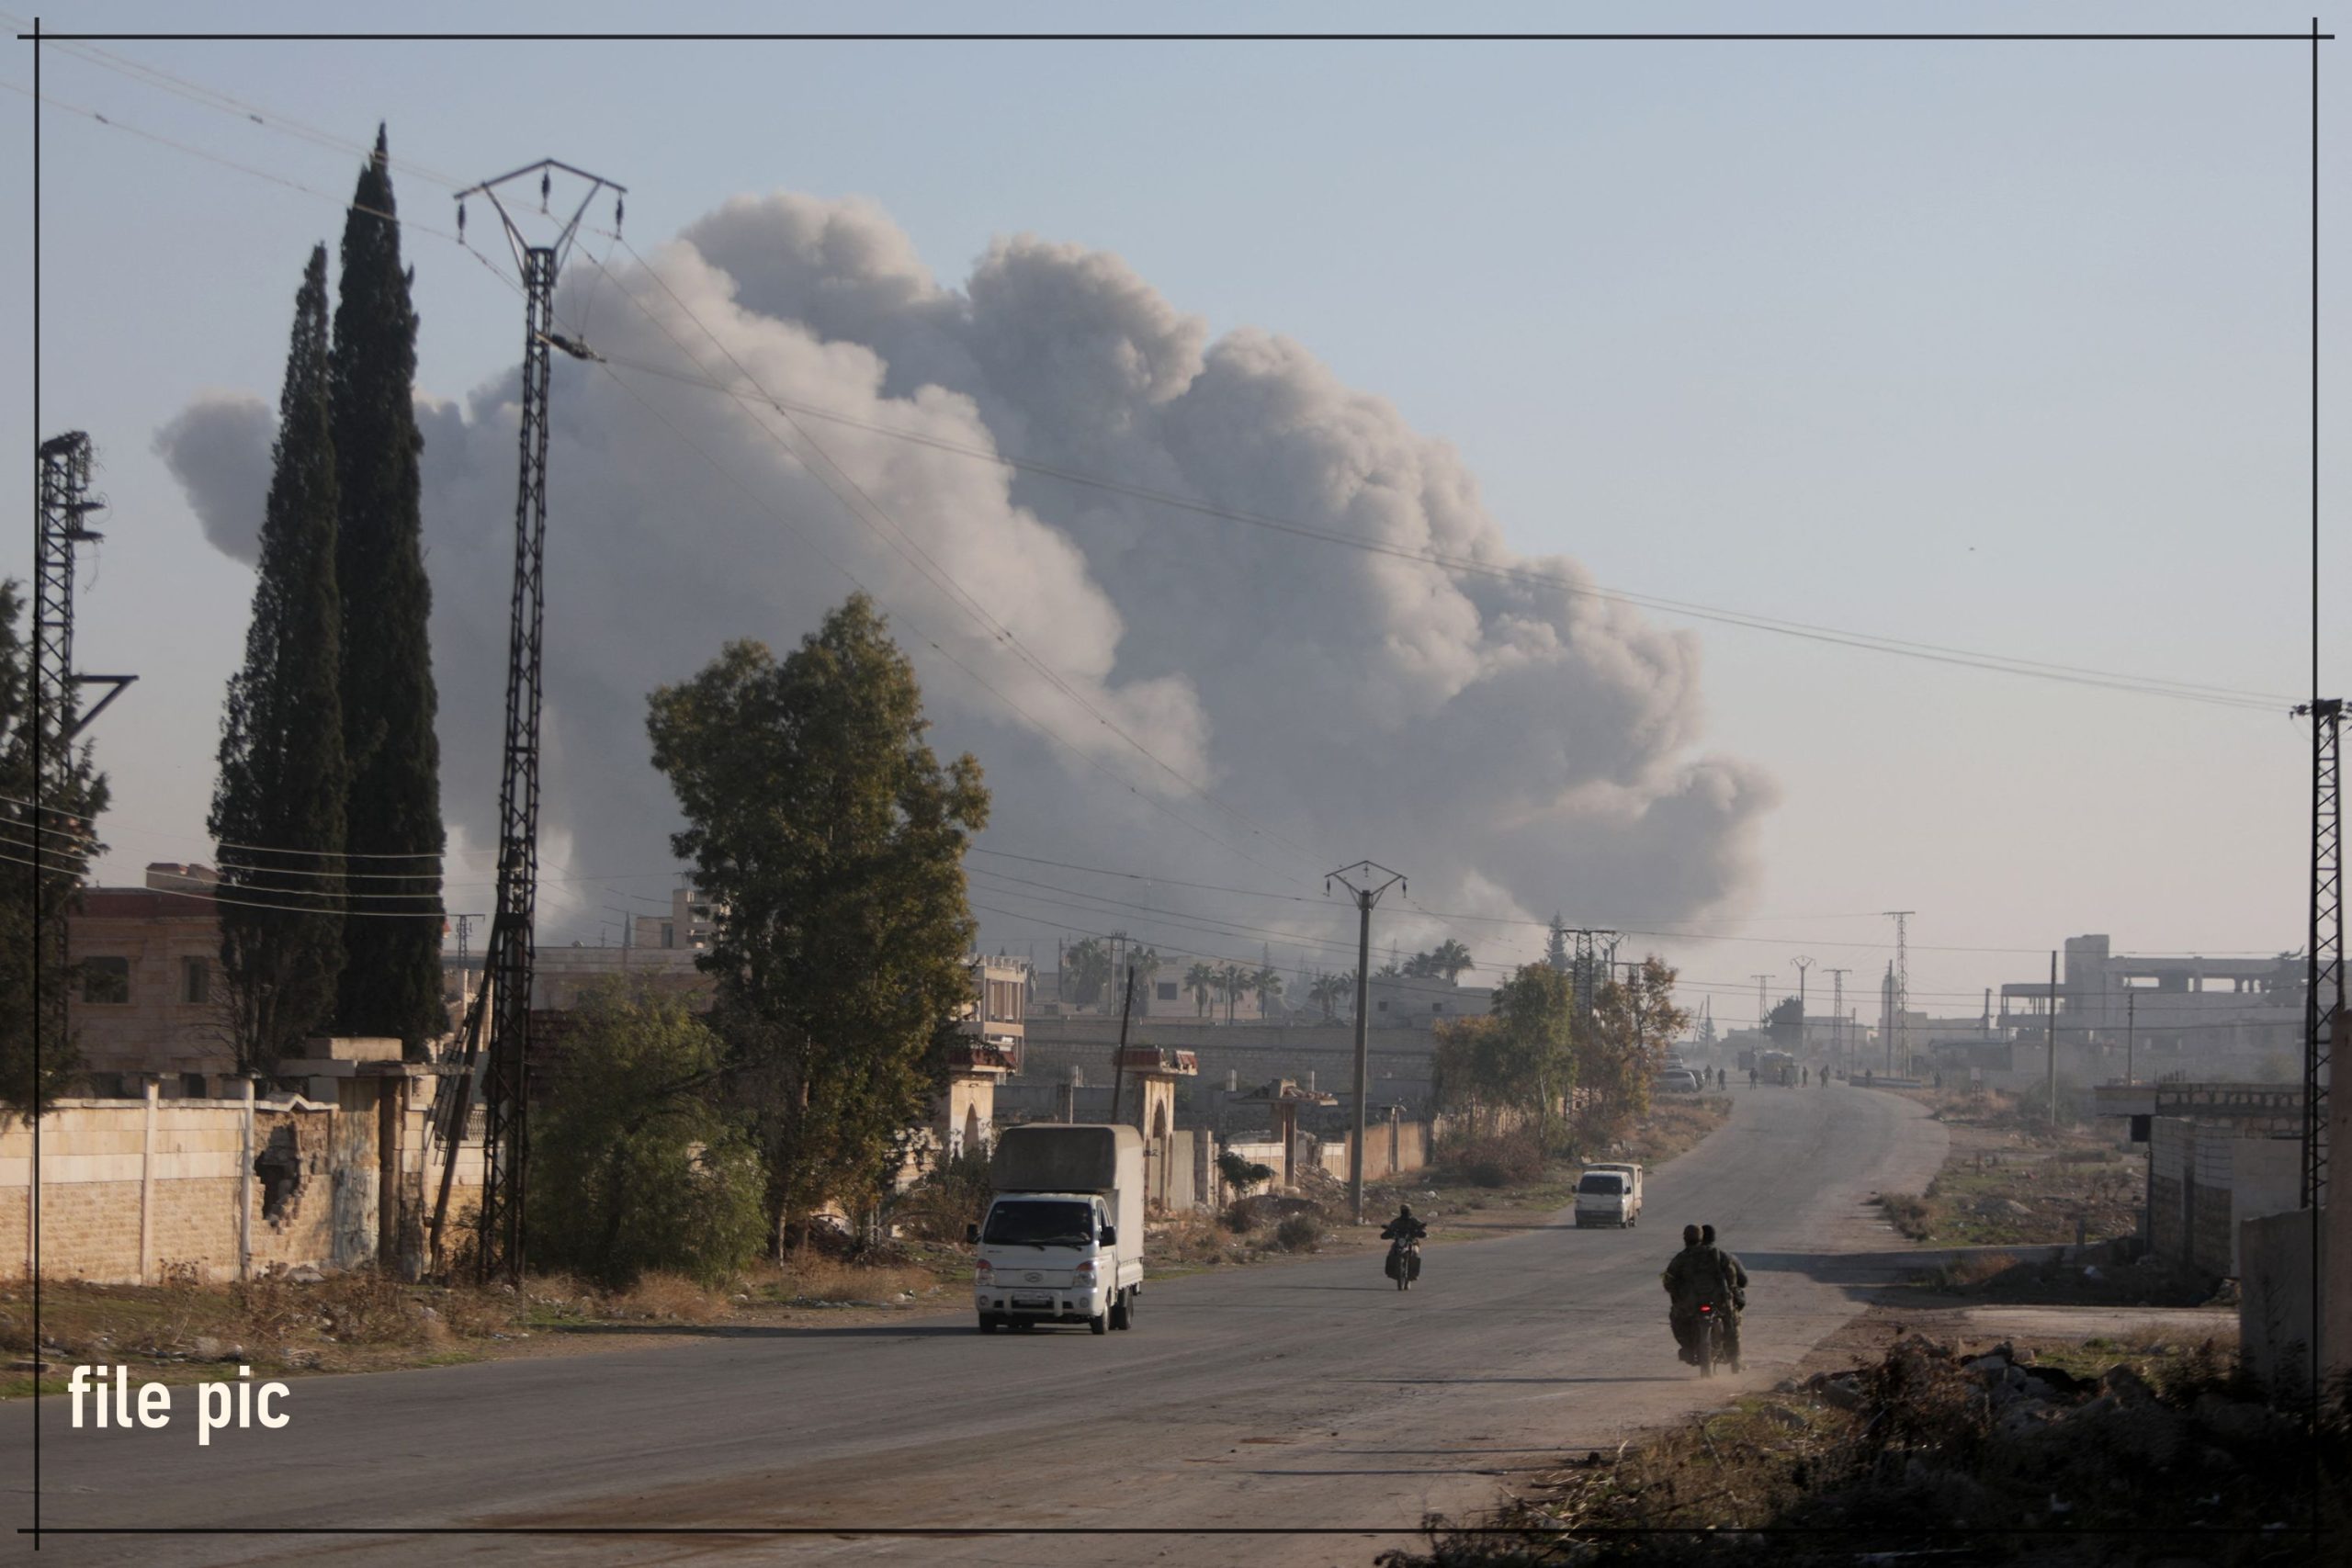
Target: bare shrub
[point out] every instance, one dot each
(1298, 1233)
(665, 1298)
(1508, 1159)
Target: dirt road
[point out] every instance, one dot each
(1311, 1394)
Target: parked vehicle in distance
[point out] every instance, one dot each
(1609, 1195)
(1677, 1080)
(1063, 1239)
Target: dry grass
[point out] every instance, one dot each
(1909, 1214)
(664, 1298)
(810, 1277)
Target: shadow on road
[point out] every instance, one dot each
(1471, 1382)
(765, 1331)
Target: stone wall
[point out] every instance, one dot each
(131, 1189)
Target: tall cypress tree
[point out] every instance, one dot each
(392, 981)
(277, 810)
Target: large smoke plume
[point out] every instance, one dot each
(1517, 747)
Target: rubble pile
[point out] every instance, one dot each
(1956, 1454)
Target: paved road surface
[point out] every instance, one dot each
(1303, 1394)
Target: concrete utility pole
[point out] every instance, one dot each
(1802, 965)
(2053, 1038)
(2130, 1028)
(1837, 1014)
(1119, 1057)
(1358, 880)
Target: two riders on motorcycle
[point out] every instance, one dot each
(1703, 1274)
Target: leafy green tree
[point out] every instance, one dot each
(37, 1056)
(392, 981)
(634, 1168)
(833, 839)
(1521, 1056)
(1144, 962)
(1536, 1007)
(1634, 1021)
(1088, 964)
(277, 809)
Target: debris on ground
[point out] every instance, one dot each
(1952, 1454)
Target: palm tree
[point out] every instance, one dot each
(1144, 962)
(1450, 959)
(1232, 980)
(1324, 992)
(1267, 983)
(1201, 980)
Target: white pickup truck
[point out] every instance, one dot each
(1610, 1195)
(1063, 1240)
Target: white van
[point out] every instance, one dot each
(1610, 1195)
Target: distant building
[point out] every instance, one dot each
(147, 1000)
(2169, 1006)
(1419, 1001)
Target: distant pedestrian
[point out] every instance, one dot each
(1751, 1077)
(1804, 1077)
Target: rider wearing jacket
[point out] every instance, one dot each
(1402, 1232)
(1702, 1273)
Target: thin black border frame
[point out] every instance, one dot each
(2315, 37)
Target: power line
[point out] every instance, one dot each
(2227, 696)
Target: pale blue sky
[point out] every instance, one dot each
(1990, 345)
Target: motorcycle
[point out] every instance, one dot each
(1715, 1344)
(1405, 1261)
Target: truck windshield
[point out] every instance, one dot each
(1603, 1184)
(1041, 1223)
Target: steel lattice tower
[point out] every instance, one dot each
(2323, 986)
(66, 504)
(505, 992)
(1901, 1044)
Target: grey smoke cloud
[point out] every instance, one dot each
(1516, 746)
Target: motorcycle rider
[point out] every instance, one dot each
(1402, 1232)
(1689, 1279)
(1735, 1279)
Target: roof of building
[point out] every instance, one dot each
(146, 904)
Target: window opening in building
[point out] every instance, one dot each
(197, 981)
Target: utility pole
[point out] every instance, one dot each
(2130, 1028)
(507, 961)
(2053, 1037)
(1119, 1057)
(1837, 1014)
(1761, 981)
(1802, 965)
(1357, 879)
(1902, 919)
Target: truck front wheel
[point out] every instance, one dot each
(990, 1322)
(1100, 1322)
(1122, 1309)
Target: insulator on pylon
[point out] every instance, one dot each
(616, 217)
(461, 222)
(543, 178)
